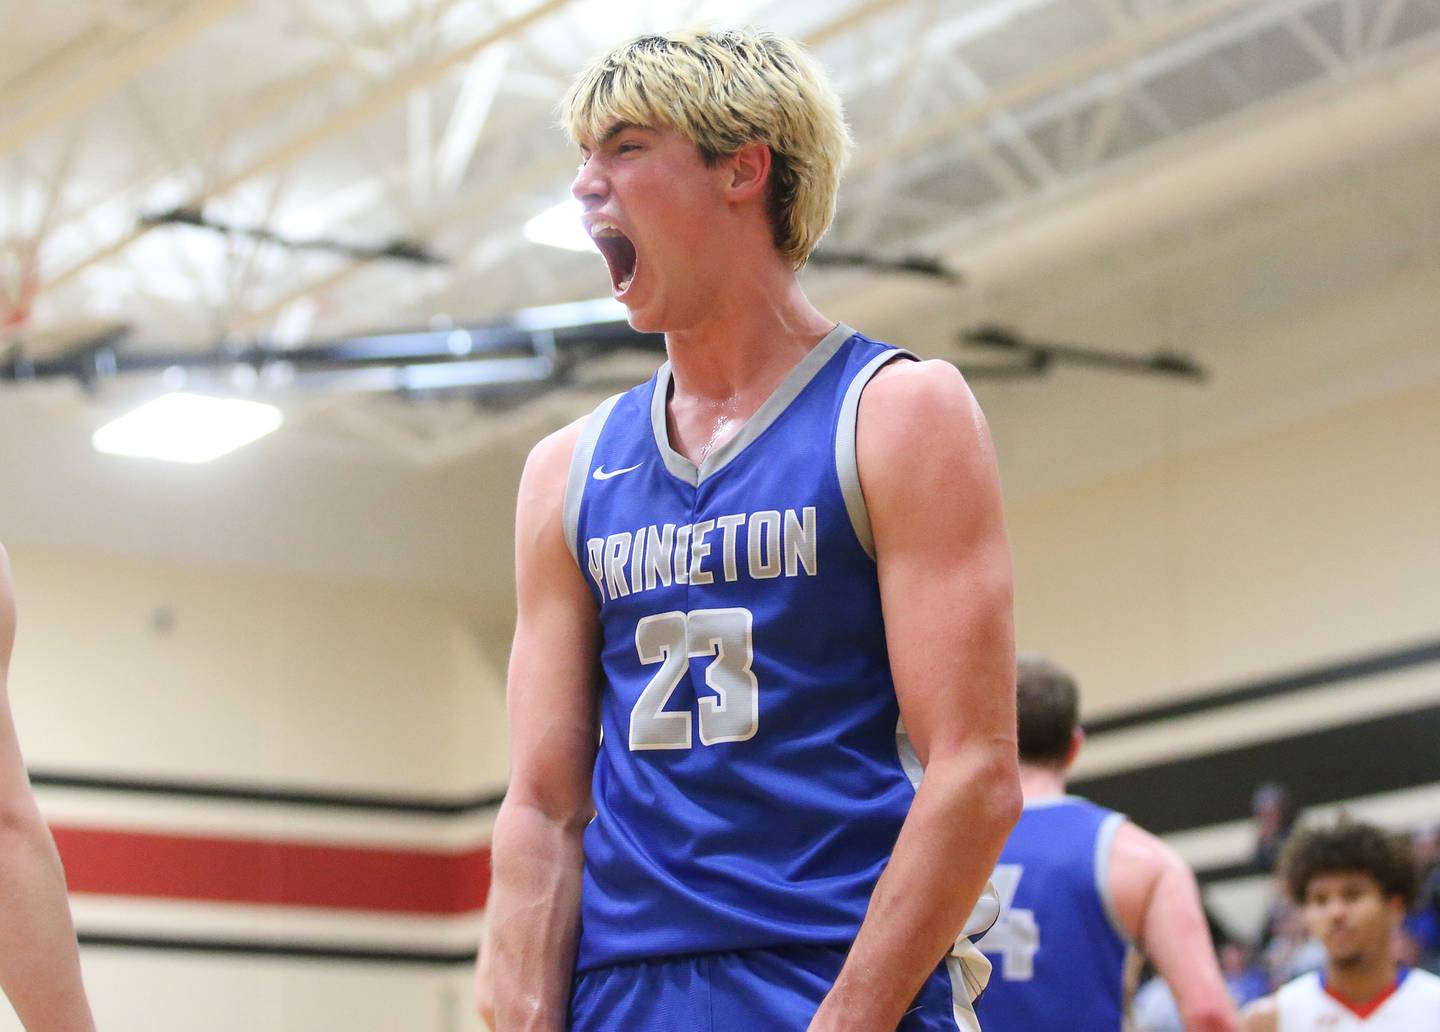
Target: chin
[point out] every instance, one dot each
(643, 321)
(1346, 957)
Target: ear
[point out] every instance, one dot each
(1077, 739)
(749, 173)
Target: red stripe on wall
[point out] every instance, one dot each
(127, 863)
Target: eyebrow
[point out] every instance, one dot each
(618, 128)
(614, 131)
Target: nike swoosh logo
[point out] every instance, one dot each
(601, 473)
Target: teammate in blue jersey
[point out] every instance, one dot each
(743, 574)
(1080, 885)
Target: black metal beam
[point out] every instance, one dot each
(101, 357)
(1164, 363)
(398, 250)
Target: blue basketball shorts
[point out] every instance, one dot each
(773, 990)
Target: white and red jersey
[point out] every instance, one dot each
(1413, 1005)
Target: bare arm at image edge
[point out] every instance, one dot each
(39, 960)
(533, 914)
(927, 469)
(1157, 903)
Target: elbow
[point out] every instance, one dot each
(24, 837)
(1009, 803)
(985, 784)
(19, 822)
(1001, 787)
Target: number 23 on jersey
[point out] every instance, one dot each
(671, 639)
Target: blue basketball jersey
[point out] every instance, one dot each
(749, 787)
(1058, 951)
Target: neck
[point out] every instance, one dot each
(1040, 782)
(1361, 982)
(752, 333)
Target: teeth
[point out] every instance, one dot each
(604, 230)
(625, 283)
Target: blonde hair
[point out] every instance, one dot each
(722, 90)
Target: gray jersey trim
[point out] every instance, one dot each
(987, 905)
(969, 975)
(580, 471)
(795, 381)
(1046, 802)
(846, 465)
(1104, 846)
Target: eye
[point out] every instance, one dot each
(626, 147)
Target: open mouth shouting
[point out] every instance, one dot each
(618, 252)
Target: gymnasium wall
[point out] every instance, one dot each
(272, 793)
(1266, 609)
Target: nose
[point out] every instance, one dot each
(590, 185)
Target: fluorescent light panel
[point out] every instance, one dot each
(182, 427)
(560, 227)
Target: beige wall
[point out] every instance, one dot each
(1315, 541)
(260, 678)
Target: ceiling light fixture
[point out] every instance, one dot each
(560, 227)
(180, 427)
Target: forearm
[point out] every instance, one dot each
(39, 960)
(947, 848)
(533, 917)
(1200, 995)
(1177, 939)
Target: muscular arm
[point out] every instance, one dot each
(928, 473)
(1158, 904)
(39, 961)
(534, 909)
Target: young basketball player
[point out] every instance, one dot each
(1079, 885)
(745, 573)
(1354, 883)
(39, 961)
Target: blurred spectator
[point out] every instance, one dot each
(1274, 813)
(1292, 951)
(1422, 926)
(1154, 1009)
(1245, 980)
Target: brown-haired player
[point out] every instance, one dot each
(1079, 885)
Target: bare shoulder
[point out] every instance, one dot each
(1140, 854)
(909, 396)
(1261, 1016)
(542, 484)
(549, 459)
(1139, 864)
(916, 416)
(927, 468)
